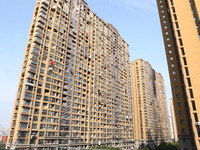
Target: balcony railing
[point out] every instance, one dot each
(43, 15)
(38, 39)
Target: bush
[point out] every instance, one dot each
(164, 146)
(106, 147)
(167, 146)
(147, 148)
(2, 145)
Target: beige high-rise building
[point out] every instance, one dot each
(74, 88)
(151, 120)
(175, 134)
(162, 107)
(181, 32)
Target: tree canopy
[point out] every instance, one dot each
(164, 146)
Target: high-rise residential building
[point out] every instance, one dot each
(151, 120)
(181, 32)
(74, 88)
(175, 135)
(162, 107)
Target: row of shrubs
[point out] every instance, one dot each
(164, 146)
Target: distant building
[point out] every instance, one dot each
(151, 120)
(3, 138)
(3, 130)
(175, 135)
(180, 21)
(162, 107)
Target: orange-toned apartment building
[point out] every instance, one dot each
(151, 120)
(74, 88)
(181, 32)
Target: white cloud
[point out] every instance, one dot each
(145, 5)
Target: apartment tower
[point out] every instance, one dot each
(151, 120)
(162, 106)
(74, 88)
(181, 32)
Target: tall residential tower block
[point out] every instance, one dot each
(181, 32)
(74, 88)
(151, 120)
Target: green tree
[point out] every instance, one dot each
(147, 148)
(167, 146)
(164, 146)
(106, 147)
(2, 145)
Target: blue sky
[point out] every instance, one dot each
(136, 20)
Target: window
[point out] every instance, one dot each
(37, 104)
(172, 3)
(24, 117)
(189, 82)
(27, 94)
(182, 51)
(181, 42)
(43, 65)
(175, 17)
(35, 118)
(177, 25)
(28, 87)
(23, 125)
(193, 105)
(179, 33)
(20, 141)
(196, 117)
(183, 131)
(181, 121)
(42, 126)
(38, 97)
(173, 10)
(186, 71)
(36, 111)
(34, 126)
(41, 134)
(184, 61)
(191, 93)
